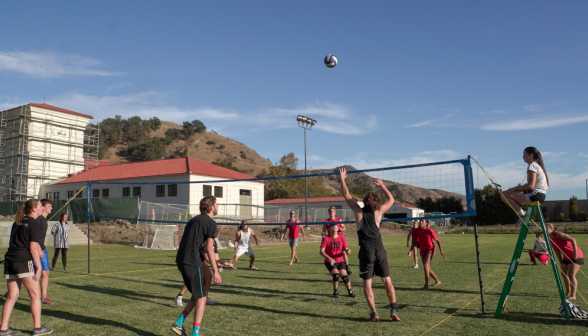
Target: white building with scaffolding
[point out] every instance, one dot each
(40, 143)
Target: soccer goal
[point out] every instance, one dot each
(161, 237)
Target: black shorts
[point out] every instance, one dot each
(417, 245)
(339, 266)
(533, 196)
(579, 261)
(18, 270)
(194, 280)
(373, 260)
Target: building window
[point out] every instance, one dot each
(79, 195)
(136, 191)
(218, 192)
(160, 191)
(96, 193)
(105, 193)
(56, 195)
(172, 190)
(48, 195)
(70, 194)
(126, 192)
(206, 190)
(244, 192)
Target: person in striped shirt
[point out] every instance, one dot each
(60, 232)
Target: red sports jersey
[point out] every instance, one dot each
(334, 247)
(293, 230)
(328, 220)
(426, 238)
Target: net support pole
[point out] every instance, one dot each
(305, 184)
(479, 265)
(89, 212)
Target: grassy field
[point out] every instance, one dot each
(130, 292)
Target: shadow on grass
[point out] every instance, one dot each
(123, 293)
(69, 316)
(279, 279)
(242, 291)
(531, 318)
(154, 264)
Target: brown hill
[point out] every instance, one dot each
(204, 146)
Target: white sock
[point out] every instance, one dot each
(521, 212)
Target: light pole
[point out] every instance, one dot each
(306, 123)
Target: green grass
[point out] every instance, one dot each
(131, 292)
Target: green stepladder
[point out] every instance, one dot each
(516, 257)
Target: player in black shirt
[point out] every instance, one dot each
(372, 255)
(23, 250)
(199, 230)
(47, 209)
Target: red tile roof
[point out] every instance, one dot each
(59, 109)
(311, 200)
(101, 163)
(155, 168)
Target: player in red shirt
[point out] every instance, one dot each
(293, 235)
(415, 239)
(426, 236)
(333, 248)
(341, 227)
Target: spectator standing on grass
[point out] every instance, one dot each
(415, 243)
(60, 232)
(540, 250)
(293, 235)
(42, 220)
(427, 238)
(373, 259)
(23, 252)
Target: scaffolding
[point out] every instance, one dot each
(38, 146)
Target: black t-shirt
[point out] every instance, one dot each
(21, 236)
(43, 223)
(196, 232)
(369, 233)
(203, 249)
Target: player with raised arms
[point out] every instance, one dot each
(534, 190)
(373, 259)
(333, 248)
(426, 236)
(414, 248)
(199, 230)
(293, 235)
(242, 244)
(340, 227)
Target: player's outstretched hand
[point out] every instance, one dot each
(348, 251)
(217, 278)
(409, 253)
(378, 182)
(257, 244)
(304, 239)
(444, 256)
(342, 173)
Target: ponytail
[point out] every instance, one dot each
(25, 209)
(537, 158)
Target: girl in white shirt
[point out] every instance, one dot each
(535, 189)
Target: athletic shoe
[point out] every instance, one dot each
(374, 317)
(519, 223)
(42, 331)
(220, 269)
(415, 266)
(178, 330)
(178, 301)
(336, 294)
(351, 294)
(209, 302)
(253, 267)
(48, 302)
(394, 315)
(9, 331)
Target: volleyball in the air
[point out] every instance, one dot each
(330, 61)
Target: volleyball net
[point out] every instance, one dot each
(422, 191)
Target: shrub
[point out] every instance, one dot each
(210, 143)
(582, 216)
(243, 155)
(221, 147)
(561, 217)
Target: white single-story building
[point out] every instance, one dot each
(237, 200)
(277, 210)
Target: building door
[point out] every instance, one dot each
(245, 204)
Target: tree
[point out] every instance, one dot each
(187, 129)
(289, 161)
(445, 204)
(573, 208)
(198, 126)
(490, 209)
(558, 213)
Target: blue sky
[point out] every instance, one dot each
(417, 81)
